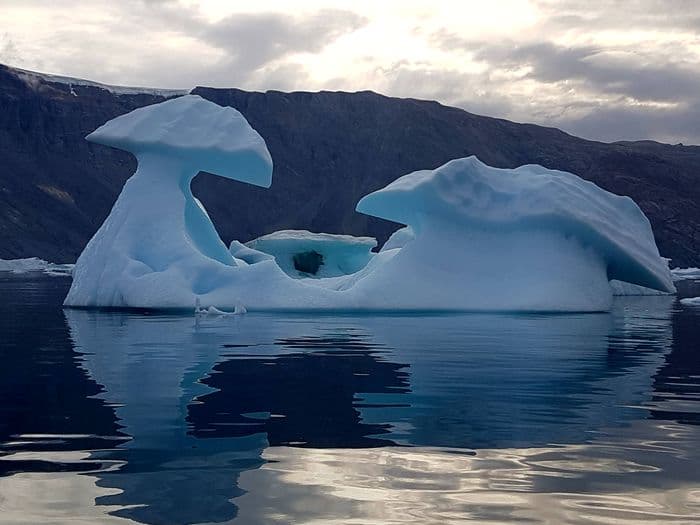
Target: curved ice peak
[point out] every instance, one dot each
(489, 203)
(172, 142)
(195, 134)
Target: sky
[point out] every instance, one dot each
(604, 70)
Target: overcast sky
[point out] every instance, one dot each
(607, 70)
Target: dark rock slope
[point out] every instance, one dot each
(329, 149)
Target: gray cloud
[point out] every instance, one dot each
(252, 43)
(631, 14)
(612, 123)
(614, 73)
(252, 47)
(254, 39)
(630, 88)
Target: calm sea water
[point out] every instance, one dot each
(257, 419)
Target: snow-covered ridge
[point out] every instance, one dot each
(34, 79)
(34, 264)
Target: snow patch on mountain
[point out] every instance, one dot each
(34, 80)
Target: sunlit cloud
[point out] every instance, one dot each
(603, 70)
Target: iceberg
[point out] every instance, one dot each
(691, 301)
(528, 238)
(477, 238)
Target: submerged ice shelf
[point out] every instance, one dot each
(477, 238)
(301, 253)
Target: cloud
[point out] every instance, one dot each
(597, 69)
(612, 123)
(252, 40)
(623, 71)
(605, 70)
(683, 15)
(8, 50)
(167, 43)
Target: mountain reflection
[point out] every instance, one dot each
(46, 400)
(302, 398)
(676, 392)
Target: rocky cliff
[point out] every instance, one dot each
(329, 149)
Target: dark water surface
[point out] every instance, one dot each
(162, 419)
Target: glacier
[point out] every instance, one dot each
(477, 238)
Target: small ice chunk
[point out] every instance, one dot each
(210, 310)
(691, 301)
(213, 310)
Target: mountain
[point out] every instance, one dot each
(329, 149)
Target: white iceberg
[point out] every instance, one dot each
(34, 264)
(480, 238)
(691, 301)
(213, 310)
(529, 238)
(301, 253)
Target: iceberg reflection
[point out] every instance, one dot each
(207, 402)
